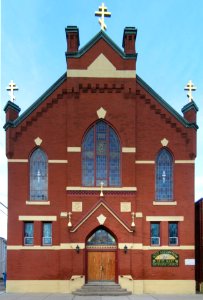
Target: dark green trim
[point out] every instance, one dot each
(140, 81)
(94, 40)
(13, 106)
(40, 100)
(189, 106)
(8, 124)
(165, 104)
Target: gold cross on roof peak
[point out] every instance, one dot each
(11, 88)
(102, 13)
(190, 87)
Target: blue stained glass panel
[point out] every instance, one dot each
(101, 237)
(28, 233)
(155, 233)
(164, 176)
(38, 175)
(101, 156)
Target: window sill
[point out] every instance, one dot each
(166, 203)
(42, 202)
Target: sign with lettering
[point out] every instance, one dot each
(165, 258)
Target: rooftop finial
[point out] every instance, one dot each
(190, 87)
(101, 190)
(102, 13)
(11, 88)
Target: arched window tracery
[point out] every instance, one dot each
(101, 156)
(38, 175)
(164, 176)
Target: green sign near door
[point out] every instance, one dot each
(165, 258)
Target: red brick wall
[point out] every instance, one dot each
(61, 121)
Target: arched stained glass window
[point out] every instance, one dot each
(101, 156)
(38, 175)
(164, 176)
(101, 237)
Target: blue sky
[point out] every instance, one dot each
(169, 45)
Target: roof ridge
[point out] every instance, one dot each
(167, 106)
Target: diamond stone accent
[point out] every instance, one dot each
(101, 219)
(101, 113)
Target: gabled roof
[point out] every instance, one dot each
(36, 104)
(101, 35)
(162, 102)
(57, 84)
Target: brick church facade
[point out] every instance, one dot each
(101, 179)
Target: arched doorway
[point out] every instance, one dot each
(101, 260)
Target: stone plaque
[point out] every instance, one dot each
(76, 206)
(125, 206)
(165, 258)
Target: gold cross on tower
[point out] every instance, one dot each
(102, 13)
(190, 87)
(11, 88)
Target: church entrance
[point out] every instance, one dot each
(101, 256)
(101, 266)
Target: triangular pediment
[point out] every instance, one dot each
(93, 210)
(101, 63)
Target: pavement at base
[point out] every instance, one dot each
(47, 296)
(15, 296)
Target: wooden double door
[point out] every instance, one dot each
(101, 265)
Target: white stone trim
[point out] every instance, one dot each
(138, 215)
(145, 162)
(128, 149)
(30, 202)
(131, 246)
(73, 149)
(63, 214)
(117, 189)
(101, 67)
(18, 160)
(166, 203)
(184, 161)
(50, 161)
(164, 218)
(37, 218)
(115, 74)
(57, 161)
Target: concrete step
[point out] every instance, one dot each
(101, 289)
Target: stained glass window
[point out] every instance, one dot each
(28, 233)
(101, 237)
(38, 175)
(173, 233)
(47, 233)
(101, 156)
(164, 176)
(155, 233)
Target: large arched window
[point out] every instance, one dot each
(164, 176)
(101, 156)
(38, 175)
